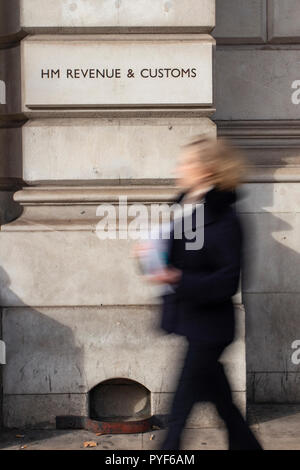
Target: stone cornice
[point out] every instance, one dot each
(272, 147)
(256, 129)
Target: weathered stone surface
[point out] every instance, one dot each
(76, 349)
(269, 198)
(272, 325)
(272, 252)
(277, 387)
(121, 13)
(275, 425)
(106, 149)
(181, 66)
(257, 84)
(240, 21)
(31, 283)
(284, 21)
(71, 350)
(40, 411)
(271, 290)
(66, 255)
(203, 415)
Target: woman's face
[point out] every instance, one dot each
(190, 173)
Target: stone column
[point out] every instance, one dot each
(75, 311)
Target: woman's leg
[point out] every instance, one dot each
(203, 379)
(194, 385)
(182, 404)
(239, 434)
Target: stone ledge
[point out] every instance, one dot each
(115, 112)
(96, 194)
(58, 38)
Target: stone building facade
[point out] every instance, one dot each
(77, 321)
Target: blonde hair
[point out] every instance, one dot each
(224, 161)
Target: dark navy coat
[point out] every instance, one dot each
(201, 307)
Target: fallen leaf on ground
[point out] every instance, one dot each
(23, 447)
(152, 437)
(89, 444)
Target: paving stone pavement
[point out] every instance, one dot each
(277, 427)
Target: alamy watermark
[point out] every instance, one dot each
(296, 354)
(2, 352)
(296, 93)
(124, 221)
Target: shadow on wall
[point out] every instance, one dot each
(9, 209)
(9, 19)
(10, 108)
(271, 288)
(45, 366)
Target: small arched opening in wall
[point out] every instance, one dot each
(121, 400)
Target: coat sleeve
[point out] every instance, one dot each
(222, 283)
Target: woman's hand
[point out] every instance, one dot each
(165, 276)
(169, 275)
(140, 248)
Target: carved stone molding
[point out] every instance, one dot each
(272, 147)
(94, 195)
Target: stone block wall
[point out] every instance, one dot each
(257, 90)
(75, 311)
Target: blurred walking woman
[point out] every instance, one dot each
(204, 281)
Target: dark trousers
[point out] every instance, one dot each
(203, 379)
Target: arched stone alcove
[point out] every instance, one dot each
(119, 399)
